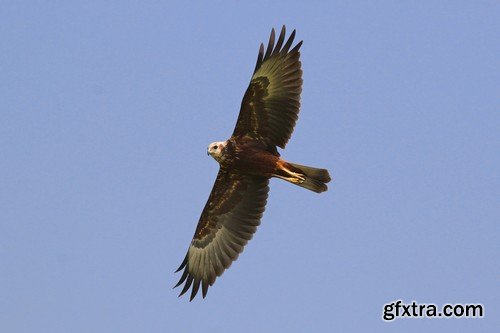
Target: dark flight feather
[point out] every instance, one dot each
(228, 221)
(271, 103)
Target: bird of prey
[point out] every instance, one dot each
(247, 160)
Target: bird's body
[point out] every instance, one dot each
(248, 156)
(247, 160)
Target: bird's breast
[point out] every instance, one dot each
(250, 159)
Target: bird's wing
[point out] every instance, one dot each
(270, 107)
(228, 221)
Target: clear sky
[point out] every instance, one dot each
(106, 110)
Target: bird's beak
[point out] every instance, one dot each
(208, 153)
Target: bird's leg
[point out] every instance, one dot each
(285, 173)
(298, 179)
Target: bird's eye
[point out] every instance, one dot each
(214, 147)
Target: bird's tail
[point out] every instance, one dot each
(313, 179)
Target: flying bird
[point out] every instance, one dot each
(247, 160)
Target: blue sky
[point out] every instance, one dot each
(106, 109)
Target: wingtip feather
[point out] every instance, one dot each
(189, 281)
(289, 42)
(270, 45)
(182, 279)
(194, 291)
(260, 57)
(204, 288)
(281, 39)
(296, 48)
(183, 264)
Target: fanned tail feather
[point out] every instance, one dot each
(315, 178)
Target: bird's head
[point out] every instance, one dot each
(215, 150)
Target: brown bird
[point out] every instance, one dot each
(247, 160)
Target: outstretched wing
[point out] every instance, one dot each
(270, 107)
(228, 221)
